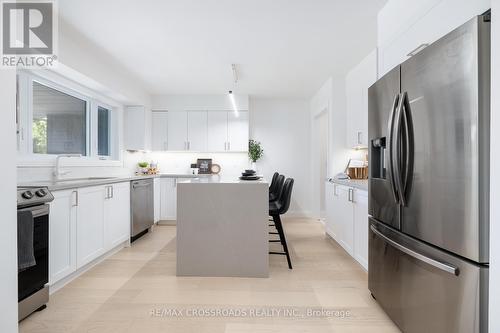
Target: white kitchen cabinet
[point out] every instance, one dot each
(159, 140)
(62, 235)
(217, 131)
(358, 80)
(347, 219)
(343, 209)
(157, 199)
(405, 25)
(177, 130)
(90, 242)
(197, 123)
(237, 131)
(137, 133)
(330, 221)
(168, 197)
(116, 214)
(360, 203)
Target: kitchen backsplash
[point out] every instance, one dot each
(231, 164)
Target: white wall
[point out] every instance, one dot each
(198, 102)
(8, 235)
(282, 126)
(494, 307)
(88, 64)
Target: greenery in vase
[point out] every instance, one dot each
(255, 150)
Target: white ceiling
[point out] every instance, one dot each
(281, 47)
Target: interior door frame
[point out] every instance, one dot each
(316, 187)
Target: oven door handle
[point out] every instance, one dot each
(37, 211)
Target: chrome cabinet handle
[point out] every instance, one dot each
(350, 195)
(390, 137)
(440, 265)
(228, 145)
(359, 137)
(76, 199)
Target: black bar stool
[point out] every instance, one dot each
(278, 208)
(276, 192)
(276, 187)
(272, 187)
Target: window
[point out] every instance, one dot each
(56, 116)
(103, 131)
(59, 122)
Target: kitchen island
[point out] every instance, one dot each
(222, 227)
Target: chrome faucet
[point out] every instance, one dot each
(57, 172)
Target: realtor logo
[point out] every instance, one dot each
(28, 33)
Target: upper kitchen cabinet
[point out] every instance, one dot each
(197, 130)
(358, 80)
(217, 131)
(160, 131)
(237, 131)
(406, 27)
(177, 130)
(137, 128)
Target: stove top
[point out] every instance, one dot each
(33, 195)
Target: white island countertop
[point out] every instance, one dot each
(216, 179)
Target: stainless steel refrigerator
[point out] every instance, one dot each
(429, 185)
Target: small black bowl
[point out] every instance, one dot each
(249, 171)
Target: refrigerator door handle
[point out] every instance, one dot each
(409, 147)
(390, 142)
(437, 264)
(398, 151)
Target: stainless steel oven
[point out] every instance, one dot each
(33, 242)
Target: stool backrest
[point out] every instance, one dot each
(286, 196)
(280, 181)
(272, 187)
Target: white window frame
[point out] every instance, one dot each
(26, 157)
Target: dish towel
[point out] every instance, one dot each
(25, 251)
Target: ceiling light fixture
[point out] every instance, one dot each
(233, 103)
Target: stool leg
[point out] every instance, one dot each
(279, 227)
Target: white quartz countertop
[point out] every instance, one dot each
(216, 179)
(65, 184)
(361, 184)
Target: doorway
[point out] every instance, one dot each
(321, 138)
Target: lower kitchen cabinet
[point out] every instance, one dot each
(62, 235)
(157, 199)
(116, 214)
(168, 198)
(84, 224)
(347, 219)
(90, 224)
(360, 204)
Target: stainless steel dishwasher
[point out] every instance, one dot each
(142, 206)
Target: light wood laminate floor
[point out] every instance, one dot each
(136, 290)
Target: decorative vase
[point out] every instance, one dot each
(254, 166)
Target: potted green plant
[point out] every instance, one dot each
(143, 167)
(255, 152)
